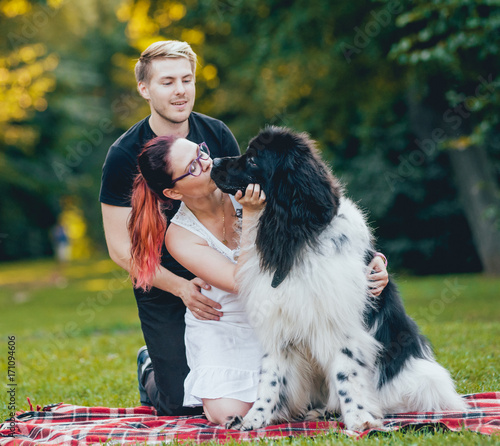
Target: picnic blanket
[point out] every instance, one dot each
(65, 424)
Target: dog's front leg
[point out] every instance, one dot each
(353, 382)
(268, 398)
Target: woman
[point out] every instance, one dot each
(223, 356)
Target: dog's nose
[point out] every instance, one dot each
(217, 173)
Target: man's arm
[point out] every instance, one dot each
(115, 220)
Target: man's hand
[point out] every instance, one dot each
(377, 275)
(202, 307)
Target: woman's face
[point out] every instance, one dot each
(184, 158)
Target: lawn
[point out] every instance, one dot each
(77, 333)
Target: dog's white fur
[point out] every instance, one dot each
(316, 314)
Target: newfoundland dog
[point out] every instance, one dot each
(330, 347)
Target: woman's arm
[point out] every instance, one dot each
(194, 253)
(252, 203)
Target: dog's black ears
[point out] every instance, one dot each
(278, 278)
(302, 199)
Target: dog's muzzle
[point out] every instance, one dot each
(228, 176)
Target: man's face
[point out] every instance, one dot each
(171, 89)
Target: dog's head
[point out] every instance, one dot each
(302, 195)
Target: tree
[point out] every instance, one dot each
(457, 43)
(322, 67)
(26, 80)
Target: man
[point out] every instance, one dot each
(165, 75)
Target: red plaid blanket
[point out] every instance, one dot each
(65, 424)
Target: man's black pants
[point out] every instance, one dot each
(163, 327)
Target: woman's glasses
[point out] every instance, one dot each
(195, 168)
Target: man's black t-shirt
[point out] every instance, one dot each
(120, 166)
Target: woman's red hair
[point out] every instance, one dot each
(147, 223)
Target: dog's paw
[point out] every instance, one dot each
(250, 425)
(314, 415)
(320, 415)
(234, 423)
(330, 416)
(246, 424)
(361, 421)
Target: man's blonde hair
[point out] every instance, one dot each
(159, 50)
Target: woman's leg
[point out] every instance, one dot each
(221, 410)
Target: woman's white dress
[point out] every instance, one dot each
(223, 356)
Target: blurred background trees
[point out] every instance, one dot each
(402, 97)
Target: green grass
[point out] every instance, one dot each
(77, 333)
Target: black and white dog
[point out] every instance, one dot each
(330, 346)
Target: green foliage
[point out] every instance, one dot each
(369, 82)
(442, 31)
(463, 39)
(325, 68)
(450, 49)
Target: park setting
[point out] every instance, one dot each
(403, 101)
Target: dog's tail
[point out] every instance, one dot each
(422, 386)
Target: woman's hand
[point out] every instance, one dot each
(377, 275)
(253, 201)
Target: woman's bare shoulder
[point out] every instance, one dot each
(177, 236)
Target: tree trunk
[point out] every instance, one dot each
(479, 195)
(477, 188)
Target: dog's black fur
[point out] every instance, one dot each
(303, 198)
(287, 226)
